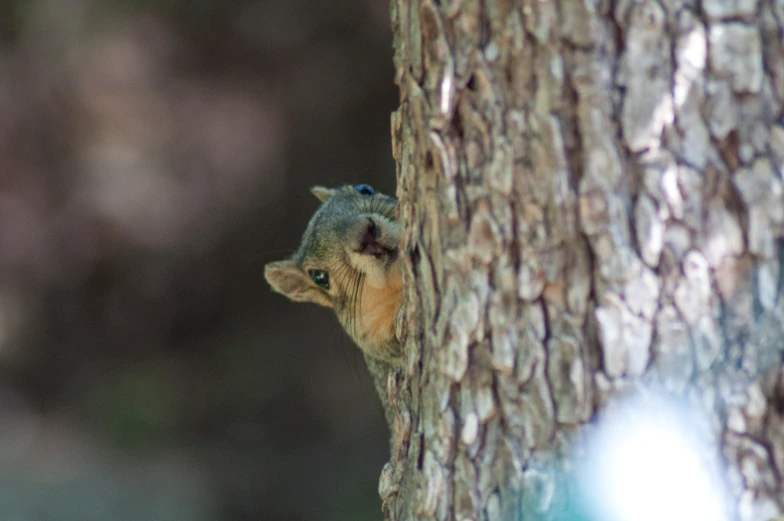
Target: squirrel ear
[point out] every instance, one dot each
(287, 279)
(322, 194)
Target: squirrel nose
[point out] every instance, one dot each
(369, 244)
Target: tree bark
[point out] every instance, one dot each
(593, 200)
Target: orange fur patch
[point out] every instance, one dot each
(379, 310)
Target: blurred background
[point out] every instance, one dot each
(154, 155)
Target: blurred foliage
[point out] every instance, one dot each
(10, 20)
(140, 405)
(154, 155)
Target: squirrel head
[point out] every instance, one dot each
(348, 261)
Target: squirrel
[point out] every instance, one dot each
(348, 260)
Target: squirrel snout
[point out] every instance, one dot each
(369, 244)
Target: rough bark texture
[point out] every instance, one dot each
(593, 197)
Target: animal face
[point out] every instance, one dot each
(348, 261)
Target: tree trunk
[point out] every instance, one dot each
(593, 201)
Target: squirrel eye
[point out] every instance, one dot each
(365, 189)
(320, 277)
